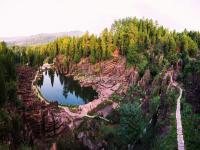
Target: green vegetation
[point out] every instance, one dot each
(191, 129)
(10, 121)
(68, 141)
(164, 136)
(7, 75)
(101, 106)
(132, 123)
(142, 41)
(145, 45)
(169, 141)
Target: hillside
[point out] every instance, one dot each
(37, 39)
(147, 80)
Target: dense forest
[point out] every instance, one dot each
(138, 40)
(144, 44)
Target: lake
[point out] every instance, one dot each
(67, 91)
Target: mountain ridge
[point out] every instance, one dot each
(38, 39)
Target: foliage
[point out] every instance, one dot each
(164, 135)
(169, 141)
(101, 106)
(7, 75)
(11, 124)
(132, 123)
(68, 141)
(135, 94)
(137, 59)
(144, 43)
(191, 130)
(154, 104)
(116, 98)
(192, 67)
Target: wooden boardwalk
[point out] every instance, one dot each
(179, 128)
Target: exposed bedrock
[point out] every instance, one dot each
(42, 121)
(47, 121)
(105, 77)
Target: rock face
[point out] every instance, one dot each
(106, 77)
(46, 121)
(64, 65)
(145, 79)
(43, 121)
(132, 76)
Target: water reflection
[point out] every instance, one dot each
(65, 90)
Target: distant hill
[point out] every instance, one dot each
(38, 38)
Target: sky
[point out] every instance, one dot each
(28, 17)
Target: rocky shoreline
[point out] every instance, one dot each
(43, 122)
(46, 120)
(113, 77)
(106, 78)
